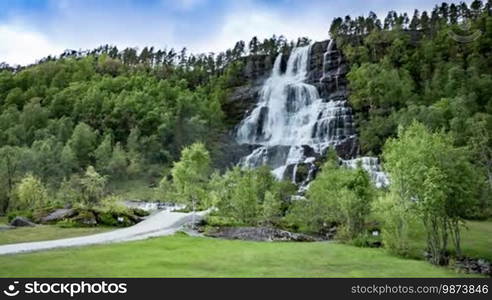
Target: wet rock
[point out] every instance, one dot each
(259, 234)
(348, 148)
(300, 173)
(22, 222)
(58, 215)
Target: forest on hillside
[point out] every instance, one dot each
(73, 125)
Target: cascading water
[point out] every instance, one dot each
(372, 166)
(292, 126)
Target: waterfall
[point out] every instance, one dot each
(327, 60)
(292, 125)
(372, 166)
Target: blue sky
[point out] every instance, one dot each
(31, 29)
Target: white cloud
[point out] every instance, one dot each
(20, 46)
(243, 24)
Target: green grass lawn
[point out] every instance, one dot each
(476, 240)
(45, 232)
(183, 256)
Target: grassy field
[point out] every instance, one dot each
(476, 240)
(183, 256)
(45, 232)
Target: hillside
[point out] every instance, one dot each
(373, 137)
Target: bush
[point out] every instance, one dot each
(108, 219)
(19, 213)
(30, 193)
(251, 196)
(366, 240)
(398, 224)
(220, 221)
(337, 195)
(112, 205)
(67, 223)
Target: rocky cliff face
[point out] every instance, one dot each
(328, 70)
(242, 99)
(240, 102)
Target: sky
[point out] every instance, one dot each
(33, 29)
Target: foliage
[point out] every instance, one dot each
(338, 195)
(10, 163)
(250, 196)
(93, 185)
(425, 168)
(405, 68)
(190, 175)
(30, 193)
(398, 224)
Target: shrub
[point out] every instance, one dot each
(337, 195)
(93, 185)
(250, 196)
(30, 193)
(398, 224)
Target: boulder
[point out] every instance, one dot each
(85, 218)
(22, 222)
(58, 215)
(474, 265)
(259, 234)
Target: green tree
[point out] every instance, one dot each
(30, 193)
(271, 209)
(425, 168)
(93, 185)
(399, 225)
(10, 164)
(343, 196)
(190, 175)
(68, 160)
(103, 154)
(118, 163)
(83, 143)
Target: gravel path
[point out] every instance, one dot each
(159, 224)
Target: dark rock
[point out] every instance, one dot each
(300, 173)
(230, 152)
(259, 234)
(474, 265)
(85, 218)
(348, 148)
(329, 232)
(242, 100)
(256, 66)
(22, 222)
(58, 215)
